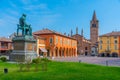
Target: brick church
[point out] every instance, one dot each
(85, 46)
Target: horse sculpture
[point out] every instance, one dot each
(26, 29)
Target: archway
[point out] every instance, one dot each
(56, 52)
(102, 54)
(60, 52)
(107, 54)
(67, 52)
(86, 53)
(114, 54)
(63, 52)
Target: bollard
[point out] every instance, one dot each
(5, 70)
(79, 61)
(106, 63)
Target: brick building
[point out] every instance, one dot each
(5, 45)
(83, 45)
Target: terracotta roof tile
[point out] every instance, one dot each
(5, 39)
(44, 31)
(47, 31)
(113, 33)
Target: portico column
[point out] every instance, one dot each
(64, 53)
(68, 52)
(53, 52)
(76, 53)
(58, 53)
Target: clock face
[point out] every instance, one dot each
(93, 25)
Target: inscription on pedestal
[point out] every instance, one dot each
(18, 46)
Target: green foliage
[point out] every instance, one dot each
(45, 60)
(21, 65)
(28, 64)
(36, 60)
(3, 59)
(42, 61)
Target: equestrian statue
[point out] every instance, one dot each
(26, 29)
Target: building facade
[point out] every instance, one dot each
(58, 45)
(109, 44)
(5, 45)
(40, 46)
(83, 45)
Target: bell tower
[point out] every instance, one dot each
(94, 27)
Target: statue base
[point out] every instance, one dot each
(24, 48)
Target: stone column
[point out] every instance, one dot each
(68, 51)
(64, 52)
(53, 52)
(58, 52)
(76, 52)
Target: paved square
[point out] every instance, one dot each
(92, 60)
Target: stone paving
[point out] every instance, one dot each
(92, 60)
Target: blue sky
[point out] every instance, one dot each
(60, 15)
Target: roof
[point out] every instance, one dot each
(77, 35)
(5, 39)
(38, 37)
(47, 31)
(84, 39)
(113, 33)
(94, 16)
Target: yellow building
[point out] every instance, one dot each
(109, 44)
(40, 46)
(57, 44)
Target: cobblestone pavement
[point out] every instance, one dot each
(92, 60)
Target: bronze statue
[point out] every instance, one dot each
(26, 29)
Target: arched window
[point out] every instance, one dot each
(85, 48)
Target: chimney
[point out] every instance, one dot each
(65, 33)
(76, 30)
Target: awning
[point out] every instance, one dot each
(3, 49)
(43, 49)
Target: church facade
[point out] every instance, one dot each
(83, 44)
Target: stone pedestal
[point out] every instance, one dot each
(24, 48)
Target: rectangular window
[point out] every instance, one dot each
(51, 40)
(115, 41)
(115, 47)
(101, 42)
(100, 47)
(56, 40)
(108, 47)
(68, 42)
(60, 40)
